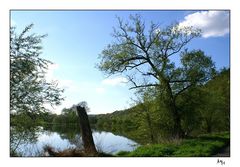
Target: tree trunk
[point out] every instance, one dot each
(171, 104)
(177, 132)
(209, 126)
(87, 138)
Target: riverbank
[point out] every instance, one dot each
(210, 145)
(201, 146)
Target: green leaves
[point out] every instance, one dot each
(144, 57)
(197, 66)
(146, 54)
(29, 91)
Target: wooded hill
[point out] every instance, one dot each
(203, 110)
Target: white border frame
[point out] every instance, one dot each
(119, 4)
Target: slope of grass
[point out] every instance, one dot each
(202, 146)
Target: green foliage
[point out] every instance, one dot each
(209, 101)
(134, 45)
(21, 135)
(144, 57)
(27, 119)
(29, 90)
(216, 111)
(197, 67)
(203, 146)
(198, 148)
(122, 123)
(153, 151)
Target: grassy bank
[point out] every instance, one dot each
(202, 146)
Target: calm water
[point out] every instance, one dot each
(105, 141)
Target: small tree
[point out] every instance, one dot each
(144, 57)
(29, 90)
(144, 103)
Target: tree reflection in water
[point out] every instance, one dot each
(22, 136)
(32, 141)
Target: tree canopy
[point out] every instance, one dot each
(29, 89)
(138, 52)
(145, 58)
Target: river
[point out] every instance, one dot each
(32, 143)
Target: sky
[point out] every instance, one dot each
(76, 38)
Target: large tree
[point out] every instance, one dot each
(145, 58)
(29, 90)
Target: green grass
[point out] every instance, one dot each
(202, 146)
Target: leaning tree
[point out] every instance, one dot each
(29, 90)
(145, 57)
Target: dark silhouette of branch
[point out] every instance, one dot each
(144, 86)
(181, 91)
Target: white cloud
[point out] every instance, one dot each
(115, 81)
(53, 66)
(49, 73)
(100, 90)
(212, 23)
(66, 84)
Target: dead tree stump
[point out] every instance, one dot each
(86, 131)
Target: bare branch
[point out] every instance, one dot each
(181, 91)
(144, 86)
(178, 81)
(181, 46)
(134, 65)
(152, 74)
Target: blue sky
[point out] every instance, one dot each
(76, 38)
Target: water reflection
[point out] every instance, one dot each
(19, 137)
(105, 142)
(110, 143)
